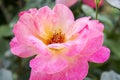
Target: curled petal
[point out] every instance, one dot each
(100, 56)
(78, 26)
(56, 46)
(77, 42)
(21, 50)
(48, 65)
(38, 45)
(81, 23)
(95, 24)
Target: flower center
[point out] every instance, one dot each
(56, 38)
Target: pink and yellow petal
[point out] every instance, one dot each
(100, 56)
(21, 50)
(32, 46)
(44, 21)
(64, 18)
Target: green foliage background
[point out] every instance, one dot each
(16, 68)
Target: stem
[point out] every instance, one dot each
(97, 2)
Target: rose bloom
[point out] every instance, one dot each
(68, 3)
(92, 3)
(63, 46)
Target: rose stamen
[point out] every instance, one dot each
(56, 38)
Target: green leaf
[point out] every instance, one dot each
(5, 31)
(4, 45)
(114, 45)
(114, 3)
(111, 75)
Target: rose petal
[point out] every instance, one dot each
(94, 42)
(76, 71)
(56, 46)
(38, 45)
(39, 76)
(73, 48)
(66, 2)
(21, 50)
(64, 18)
(48, 65)
(79, 25)
(76, 45)
(100, 56)
(30, 11)
(45, 21)
(95, 24)
(25, 27)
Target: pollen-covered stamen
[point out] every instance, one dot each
(56, 37)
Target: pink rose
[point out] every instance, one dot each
(92, 3)
(66, 2)
(63, 46)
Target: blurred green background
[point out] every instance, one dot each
(15, 68)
